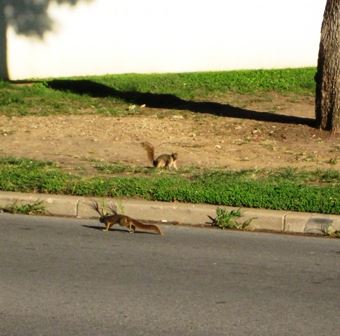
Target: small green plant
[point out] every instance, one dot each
(103, 207)
(334, 234)
(331, 232)
(35, 208)
(332, 161)
(120, 207)
(228, 219)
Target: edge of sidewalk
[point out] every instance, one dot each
(181, 213)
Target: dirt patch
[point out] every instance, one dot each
(262, 136)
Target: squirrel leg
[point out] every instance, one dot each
(132, 228)
(107, 227)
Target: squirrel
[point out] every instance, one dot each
(130, 223)
(163, 160)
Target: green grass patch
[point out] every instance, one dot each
(298, 80)
(313, 191)
(33, 208)
(114, 94)
(118, 168)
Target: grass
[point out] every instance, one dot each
(288, 189)
(34, 208)
(118, 168)
(284, 189)
(114, 94)
(189, 85)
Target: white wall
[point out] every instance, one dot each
(119, 36)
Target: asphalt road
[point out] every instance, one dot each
(67, 277)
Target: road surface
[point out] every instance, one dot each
(67, 277)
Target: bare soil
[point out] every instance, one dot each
(205, 139)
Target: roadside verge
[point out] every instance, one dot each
(180, 213)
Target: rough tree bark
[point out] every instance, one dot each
(3, 43)
(327, 101)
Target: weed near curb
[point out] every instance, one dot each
(34, 208)
(228, 219)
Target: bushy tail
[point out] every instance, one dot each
(150, 150)
(156, 229)
(147, 227)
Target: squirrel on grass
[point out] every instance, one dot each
(130, 223)
(161, 161)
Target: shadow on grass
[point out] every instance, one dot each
(169, 101)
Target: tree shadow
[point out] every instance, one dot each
(169, 101)
(28, 18)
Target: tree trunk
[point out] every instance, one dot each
(3, 43)
(327, 100)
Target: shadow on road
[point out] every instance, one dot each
(116, 229)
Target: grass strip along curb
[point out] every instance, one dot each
(278, 190)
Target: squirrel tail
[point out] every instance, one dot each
(150, 227)
(150, 150)
(156, 229)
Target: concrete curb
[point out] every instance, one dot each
(180, 213)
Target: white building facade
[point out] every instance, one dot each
(123, 36)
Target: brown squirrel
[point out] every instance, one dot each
(163, 160)
(125, 221)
